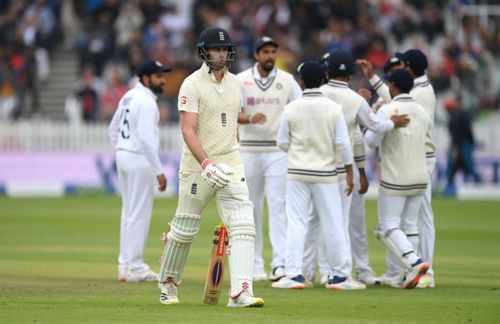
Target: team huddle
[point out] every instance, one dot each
(260, 135)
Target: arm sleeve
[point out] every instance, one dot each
(342, 141)
(381, 88)
(296, 92)
(376, 106)
(242, 99)
(359, 149)
(367, 118)
(374, 139)
(283, 136)
(114, 127)
(188, 97)
(147, 126)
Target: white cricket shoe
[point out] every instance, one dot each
(324, 279)
(296, 282)
(427, 281)
(168, 293)
(260, 276)
(245, 299)
(122, 273)
(392, 280)
(365, 276)
(140, 275)
(344, 283)
(419, 269)
(277, 273)
(309, 281)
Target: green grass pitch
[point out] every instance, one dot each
(58, 264)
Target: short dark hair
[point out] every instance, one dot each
(402, 79)
(312, 73)
(416, 60)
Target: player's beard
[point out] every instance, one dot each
(157, 88)
(268, 65)
(218, 64)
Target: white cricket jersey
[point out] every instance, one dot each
(381, 88)
(313, 131)
(350, 101)
(134, 126)
(268, 96)
(217, 105)
(423, 93)
(402, 151)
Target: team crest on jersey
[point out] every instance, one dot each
(279, 86)
(183, 100)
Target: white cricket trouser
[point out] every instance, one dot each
(314, 248)
(398, 215)
(234, 209)
(326, 200)
(346, 207)
(136, 181)
(425, 223)
(266, 175)
(357, 228)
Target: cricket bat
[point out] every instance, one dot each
(215, 275)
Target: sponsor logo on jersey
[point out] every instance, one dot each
(183, 100)
(248, 83)
(252, 101)
(194, 188)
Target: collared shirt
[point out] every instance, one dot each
(403, 150)
(312, 130)
(134, 126)
(265, 95)
(217, 105)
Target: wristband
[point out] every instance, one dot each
(205, 163)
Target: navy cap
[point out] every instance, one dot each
(263, 41)
(402, 79)
(312, 73)
(395, 60)
(151, 67)
(415, 59)
(340, 63)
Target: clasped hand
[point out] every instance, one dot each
(217, 175)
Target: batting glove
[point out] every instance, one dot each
(217, 175)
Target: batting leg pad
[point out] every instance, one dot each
(242, 241)
(389, 241)
(183, 230)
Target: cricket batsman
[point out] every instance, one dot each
(209, 103)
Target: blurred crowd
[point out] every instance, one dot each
(111, 37)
